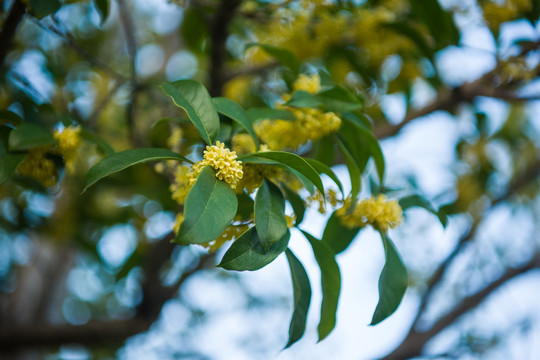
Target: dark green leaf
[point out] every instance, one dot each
(289, 160)
(409, 30)
(392, 282)
(8, 164)
(354, 172)
(302, 298)
(323, 169)
(330, 283)
(440, 22)
(284, 56)
(245, 206)
(337, 236)
(296, 202)
(268, 113)
(209, 208)
(339, 99)
(234, 111)
(418, 201)
(121, 160)
(324, 151)
(194, 28)
(247, 253)
(9, 118)
(270, 214)
(303, 99)
(103, 8)
(27, 136)
(42, 8)
(193, 97)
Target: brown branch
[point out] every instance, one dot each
(414, 342)
(219, 30)
(249, 70)
(11, 23)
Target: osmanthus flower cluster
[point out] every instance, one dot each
(38, 163)
(376, 211)
(310, 124)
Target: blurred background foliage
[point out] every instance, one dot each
(97, 268)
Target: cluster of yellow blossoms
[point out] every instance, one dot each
(377, 212)
(310, 124)
(38, 166)
(220, 158)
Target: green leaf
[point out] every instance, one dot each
(9, 118)
(267, 113)
(101, 144)
(8, 164)
(392, 282)
(289, 160)
(27, 136)
(193, 97)
(234, 111)
(339, 99)
(210, 207)
(324, 151)
(303, 99)
(284, 56)
(354, 171)
(270, 214)
(42, 8)
(418, 201)
(337, 236)
(440, 22)
(103, 7)
(121, 160)
(296, 202)
(330, 283)
(194, 28)
(405, 28)
(302, 298)
(247, 253)
(324, 169)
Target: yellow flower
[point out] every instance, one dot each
(238, 88)
(309, 83)
(176, 137)
(179, 220)
(37, 166)
(223, 161)
(69, 141)
(377, 212)
(243, 144)
(182, 184)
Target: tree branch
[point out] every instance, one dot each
(415, 341)
(11, 23)
(219, 30)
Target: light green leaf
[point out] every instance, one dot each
(193, 97)
(284, 56)
(330, 283)
(270, 214)
(392, 282)
(210, 207)
(121, 160)
(231, 109)
(337, 236)
(302, 298)
(101, 144)
(418, 201)
(324, 169)
(339, 99)
(247, 253)
(354, 171)
(267, 113)
(27, 136)
(8, 164)
(42, 8)
(303, 99)
(289, 160)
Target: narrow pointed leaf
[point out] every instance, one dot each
(247, 253)
(330, 283)
(392, 282)
(270, 214)
(418, 201)
(325, 169)
(231, 109)
(210, 207)
(337, 236)
(121, 160)
(268, 113)
(296, 202)
(303, 99)
(289, 160)
(193, 97)
(339, 99)
(302, 298)
(27, 136)
(354, 171)
(284, 56)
